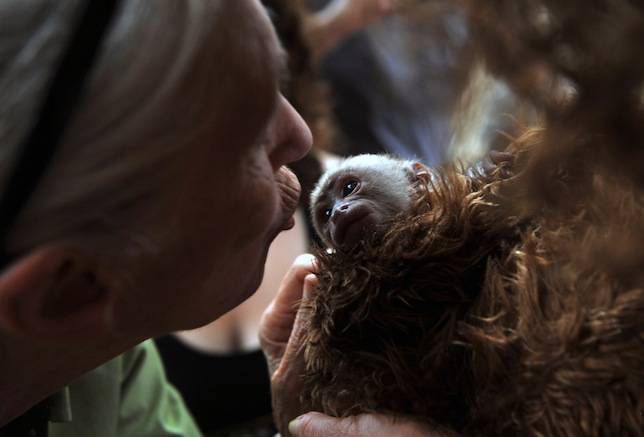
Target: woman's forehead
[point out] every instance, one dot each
(249, 58)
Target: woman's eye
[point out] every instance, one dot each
(349, 188)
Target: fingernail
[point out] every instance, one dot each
(293, 425)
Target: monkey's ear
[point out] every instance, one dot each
(421, 172)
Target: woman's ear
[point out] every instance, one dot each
(54, 290)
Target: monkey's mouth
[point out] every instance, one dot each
(352, 228)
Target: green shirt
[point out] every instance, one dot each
(127, 396)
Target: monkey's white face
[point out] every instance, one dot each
(359, 196)
(235, 195)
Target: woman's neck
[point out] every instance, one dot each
(32, 371)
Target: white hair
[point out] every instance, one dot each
(150, 92)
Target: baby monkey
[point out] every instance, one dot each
(359, 196)
(364, 192)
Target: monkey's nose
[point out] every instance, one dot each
(339, 212)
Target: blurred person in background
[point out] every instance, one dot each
(410, 84)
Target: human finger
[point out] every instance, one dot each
(315, 424)
(287, 366)
(293, 348)
(278, 318)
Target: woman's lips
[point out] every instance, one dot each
(289, 194)
(288, 224)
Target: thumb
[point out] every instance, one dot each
(315, 425)
(277, 321)
(372, 425)
(294, 347)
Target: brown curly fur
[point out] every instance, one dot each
(473, 314)
(594, 48)
(384, 318)
(511, 306)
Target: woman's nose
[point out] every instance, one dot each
(293, 137)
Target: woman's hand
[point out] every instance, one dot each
(280, 335)
(372, 425)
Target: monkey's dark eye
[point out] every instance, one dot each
(349, 188)
(324, 214)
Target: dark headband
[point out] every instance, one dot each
(65, 89)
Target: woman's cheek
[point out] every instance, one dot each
(259, 205)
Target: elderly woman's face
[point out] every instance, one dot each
(236, 194)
